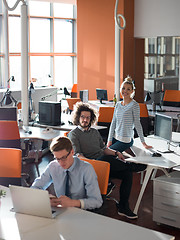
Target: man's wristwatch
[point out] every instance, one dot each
(116, 153)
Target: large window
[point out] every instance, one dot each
(51, 44)
(1, 53)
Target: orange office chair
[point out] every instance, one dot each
(104, 119)
(8, 113)
(71, 102)
(19, 105)
(9, 134)
(10, 138)
(66, 134)
(102, 170)
(10, 166)
(171, 98)
(74, 91)
(144, 119)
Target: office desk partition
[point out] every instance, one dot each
(166, 161)
(71, 224)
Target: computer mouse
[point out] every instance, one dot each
(156, 154)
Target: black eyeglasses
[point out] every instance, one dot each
(63, 158)
(87, 117)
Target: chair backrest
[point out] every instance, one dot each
(71, 102)
(19, 105)
(10, 166)
(105, 114)
(104, 119)
(102, 170)
(144, 119)
(8, 113)
(143, 110)
(172, 98)
(66, 133)
(9, 134)
(74, 91)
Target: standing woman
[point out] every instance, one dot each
(126, 117)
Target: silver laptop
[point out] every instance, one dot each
(32, 202)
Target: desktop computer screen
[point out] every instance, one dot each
(101, 94)
(50, 113)
(84, 95)
(163, 126)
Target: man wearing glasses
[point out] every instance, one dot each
(75, 181)
(88, 143)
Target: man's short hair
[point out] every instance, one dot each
(61, 143)
(80, 107)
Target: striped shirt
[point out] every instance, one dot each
(124, 120)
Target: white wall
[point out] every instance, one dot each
(157, 18)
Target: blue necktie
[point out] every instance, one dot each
(67, 184)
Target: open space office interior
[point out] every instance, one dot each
(54, 53)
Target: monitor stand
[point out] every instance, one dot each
(101, 101)
(168, 151)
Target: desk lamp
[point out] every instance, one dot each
(66, 92)
(8, 98)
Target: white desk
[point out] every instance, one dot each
(169, 111)
(71, 224)
(39, 134)
(96, 104)
(65, 118)
(166, 161)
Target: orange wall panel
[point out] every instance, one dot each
(96, 44)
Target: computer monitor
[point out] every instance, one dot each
(84, 95)
(50, 113)
(101, 94)
(163, 126)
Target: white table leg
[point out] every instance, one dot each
(149, 170)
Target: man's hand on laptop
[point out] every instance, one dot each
(64, 201)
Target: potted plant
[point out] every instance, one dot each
(2, 193)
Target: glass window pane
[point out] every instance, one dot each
(1, 34)
(15, 70)
(39, 35)
(62, 36)
(14, 36)
(39, 8)
(63, 72)
(40, 69)
(1, 83)
(63, 10)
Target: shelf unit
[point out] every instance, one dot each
(166, 199)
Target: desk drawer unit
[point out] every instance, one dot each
(166, 199)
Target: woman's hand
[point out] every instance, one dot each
(146, 146)
(109, 143)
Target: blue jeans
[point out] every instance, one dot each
(120, 146)
(122, 170)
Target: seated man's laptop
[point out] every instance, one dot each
(32, 202)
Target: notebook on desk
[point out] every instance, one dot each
(32, 202)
